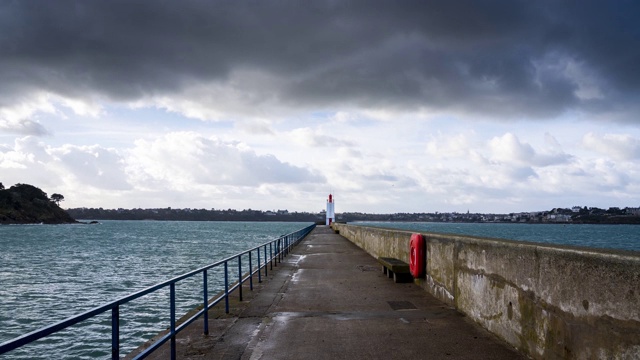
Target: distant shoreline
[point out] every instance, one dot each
(556, 216)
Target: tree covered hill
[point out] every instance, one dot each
(27, 204)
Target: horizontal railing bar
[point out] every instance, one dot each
(235, 286)
(61, 325)
(188, 322)
(193, 318)
(153, 347)
(215, 301)
(256, 270)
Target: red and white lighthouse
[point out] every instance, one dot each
(331, 215)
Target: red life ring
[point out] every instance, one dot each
(417, 255)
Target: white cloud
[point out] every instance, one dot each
(83, 106)
(180, 160)
(71, 170)
(27, 161)
(443, 170)
(20, 115)
(509, 149)
(617, 146)
(93, 166)
(184, 168)
(257, 127)
(389, 106)
(591, 182)
(455, 146)
(310, 137)
(26, 106)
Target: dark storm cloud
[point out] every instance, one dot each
(492, 57)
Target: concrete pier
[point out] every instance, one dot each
(330, 300)
(548, 301)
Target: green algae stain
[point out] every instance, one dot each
(528, 335)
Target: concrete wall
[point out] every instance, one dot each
(550, 302)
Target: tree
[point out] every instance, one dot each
(57, 198)
(29, 192)
(1, 186)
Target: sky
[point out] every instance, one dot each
(490, 106)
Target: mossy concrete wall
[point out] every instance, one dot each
(550, 302)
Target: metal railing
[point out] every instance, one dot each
(277, 250)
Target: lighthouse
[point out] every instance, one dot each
(331, 216)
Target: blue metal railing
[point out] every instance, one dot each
(277, 250)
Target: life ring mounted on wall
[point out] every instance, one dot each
(417, 255)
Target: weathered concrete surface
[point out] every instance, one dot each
(551, 302)
(330, 300)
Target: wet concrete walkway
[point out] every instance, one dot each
(329, 300)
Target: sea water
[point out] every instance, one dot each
(622, 237)
(51, 272)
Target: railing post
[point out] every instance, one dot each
(278, 249)
(205, 297)
(226, 287)
(265, 260)
(115, 332)
(260, 267)
(288, 241)
(172, 295)
(251, 271)
(240, 277)
(271, 254)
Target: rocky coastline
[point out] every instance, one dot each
(27, 204)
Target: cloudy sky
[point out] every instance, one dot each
(394, 106)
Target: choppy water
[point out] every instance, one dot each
(51, 272)
(623, 237)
